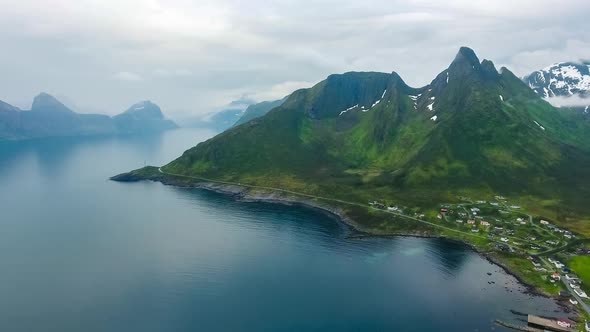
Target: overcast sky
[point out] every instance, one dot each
(195, 56)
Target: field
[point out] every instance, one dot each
(581, 266)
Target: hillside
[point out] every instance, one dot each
(48, 117)
(361, 136)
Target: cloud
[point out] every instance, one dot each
(280, 90)
(172, 72)
(573, 101)
(195, 56)
(127, 76)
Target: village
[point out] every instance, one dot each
(511, 230)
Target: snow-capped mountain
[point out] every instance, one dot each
(561, 80)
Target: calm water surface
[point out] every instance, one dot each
(80, 253)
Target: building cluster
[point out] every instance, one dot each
(571, 280)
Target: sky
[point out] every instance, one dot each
(194, 57)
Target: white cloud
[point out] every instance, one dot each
(127, 76)
(172, 72)
(194, 56)
(280, 90)
(568, 101)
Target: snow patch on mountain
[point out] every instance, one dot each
(349, 109)
(560, 80)
(543, 128)
(363, 109)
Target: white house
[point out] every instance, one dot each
(581, 293)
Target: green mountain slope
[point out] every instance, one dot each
(365, 136)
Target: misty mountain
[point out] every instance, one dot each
(258, 110)
(49, 117)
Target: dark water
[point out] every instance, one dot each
(80, 253)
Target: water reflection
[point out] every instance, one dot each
(82, 253)
(450, 255)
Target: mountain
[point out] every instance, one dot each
(142, 117)
(224, 119)
(258, 110)
(49, 117)
(563, 79)
(362, 136)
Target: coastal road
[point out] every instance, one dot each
(581, 301)
(337, 201)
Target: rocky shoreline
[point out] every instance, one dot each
(245, 194)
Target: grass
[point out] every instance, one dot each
(581, 266)
(525, 270)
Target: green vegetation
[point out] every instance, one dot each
(523, 268)
(368, 137)
(492, 135)
(581, 266)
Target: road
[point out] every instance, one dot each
(375, 209)
(581, 301)
(583, 304)
(337, 201)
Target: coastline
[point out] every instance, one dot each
(244, 194)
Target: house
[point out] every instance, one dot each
(572, 277)
(567, 236)
(459, 221)
(475, 210)
(581, 293)
(484, 223)
(444, 210)
(558, 265)
(494, 204)
(439, 216)
(544, 222)
(475, 230)
(471, 222)
(556, 276)
(504, 239)
(519, 219)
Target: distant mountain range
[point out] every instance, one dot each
(360, 136)
(565, 84)
(48, 117)
(258, 110)
(236, 113)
